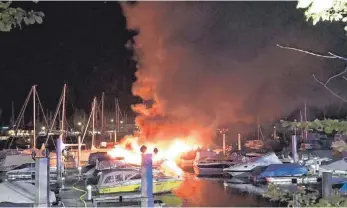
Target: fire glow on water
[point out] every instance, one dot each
(166, 157)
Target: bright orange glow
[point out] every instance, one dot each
(169, 152)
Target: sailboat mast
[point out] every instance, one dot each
(63, 114)
(305, 112)
(305, 120)
(117, 115)
(34, 115)
(302, 129)
(102, 113)
(12, 114)
(93, 110)
(258, 129)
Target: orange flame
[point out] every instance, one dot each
(166, 157)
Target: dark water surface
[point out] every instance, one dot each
(204, 192)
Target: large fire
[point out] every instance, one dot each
(166, 157)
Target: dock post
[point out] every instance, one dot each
(47, 154)
(79, 155)
(239, 141)
(59, 152)
(294, 149)
(327, 187)
(41, 182)
(147, 199)
(89, 192)
(315, 166)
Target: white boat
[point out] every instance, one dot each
(20, 193)
(215, 165)
(336, 167)
(244, 169)
(26, 173)
(12, 161)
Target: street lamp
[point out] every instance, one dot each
(79, 123)
(43, 128)
(111, 120)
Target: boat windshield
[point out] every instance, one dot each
(135, 176)
(113, 178)
(26, 165)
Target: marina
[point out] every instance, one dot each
(173, 104)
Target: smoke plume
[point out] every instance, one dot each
(211, 64)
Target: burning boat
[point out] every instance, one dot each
(129, 180)
(187, 159)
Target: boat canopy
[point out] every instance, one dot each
(93, 157)
(336, 165)
(283, 170)
(20, 193)
(110, 164)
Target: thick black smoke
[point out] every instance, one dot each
(217, 63)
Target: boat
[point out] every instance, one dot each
(244, 169)
(11, 159)
(91, 173)
(211, 167)
(279, 170)
(208, 163)
(254, 144)
(21, 194)
(335, 166)
(214, 166)
(187, 159)
(285, 157)
(129, 180)
(26, 173)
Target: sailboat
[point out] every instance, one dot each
(12, 158)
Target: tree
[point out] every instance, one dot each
(327, 126)
(324, 10)
(11, 17)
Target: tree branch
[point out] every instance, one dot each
(327, 82)
(332, 56)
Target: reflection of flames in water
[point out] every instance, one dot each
(169, 152)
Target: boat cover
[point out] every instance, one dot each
(20, 193)
(12, 161)
(268, 159)
(283, 170)
(336, 165)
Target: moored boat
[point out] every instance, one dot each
(129, 180)
(244, 169)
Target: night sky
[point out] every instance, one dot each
(83, 44)
(79, 43)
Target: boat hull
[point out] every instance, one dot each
(158, 187)
(239, 174)
(208, 171)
